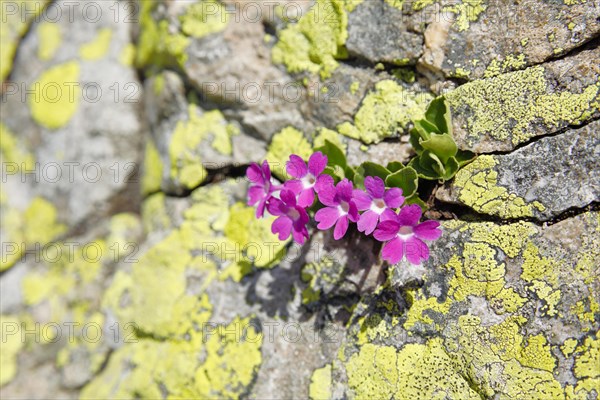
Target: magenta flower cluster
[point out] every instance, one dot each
(375, 210)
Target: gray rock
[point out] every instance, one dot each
(176, 120)
(381, 153)
(541, 180)
(499, 113)
(379, 32)
(82, 126)
(259, 95)
(489, 38)
(345, 90)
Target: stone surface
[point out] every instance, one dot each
(78, 87)
(541, 180)
(378, 32)
(173, 288)
(550, 97)
(487, 38)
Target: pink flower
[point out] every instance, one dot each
(340, 208)
(291, 217)
(404, 236)
(261, 191)
(308, 178)
(378, 202)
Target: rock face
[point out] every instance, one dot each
(139, 270)
(550, 97)
(565, 176)
(390, 39)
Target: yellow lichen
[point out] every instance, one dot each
(542, 273)
(187, 139)
(97, 48)
(14, 25)
(11, 336)
(49, 40)
(316, 41)
(127, 55)
(320, 383)
(386, 112)
(492, 110)
(288, 141)
(323, 134)
(55, 99)
(204, 18)
(37, 225)
(510, 63)
(422, 308)
(477, 186)
(152, 171)
(466, 12)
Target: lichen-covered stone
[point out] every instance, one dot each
(385, 112)
(485, 323)
(552, 96)
(16, 18)
(76, 91)
(378, 32)
(541, 180)
(488, 38)
(194, 297)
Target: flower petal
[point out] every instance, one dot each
(260, 208)
(296, 167)
(368, 222)
(283, 226)
(327, 195)
(393, 197)
(255, 194)
(254, 174)
(428, 230)
(393, 251)
(317, 163)
(276, 207)
(326, 217)
(300, 235)
(299, 231)
(387, 215)
(288, 197)
(361, 199)
(352, 211)
(295, 185)
(340, 228)
(416, 250)
(266, 170)
(306, 198)
(386, 230)
(344, 190)
(410, 215)
(375, 187)
(323, 181)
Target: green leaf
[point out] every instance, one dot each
(421, 131)
(334, 171)
(442, 146)
(373, 169)
(349, 172)
(359, 178)
(414, 199)
(405, 179)
(438, 114)
(464, 157)
(450, 169)
(394, 166)
(427, 165)
(335, 155)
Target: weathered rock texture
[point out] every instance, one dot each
(141, 273)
